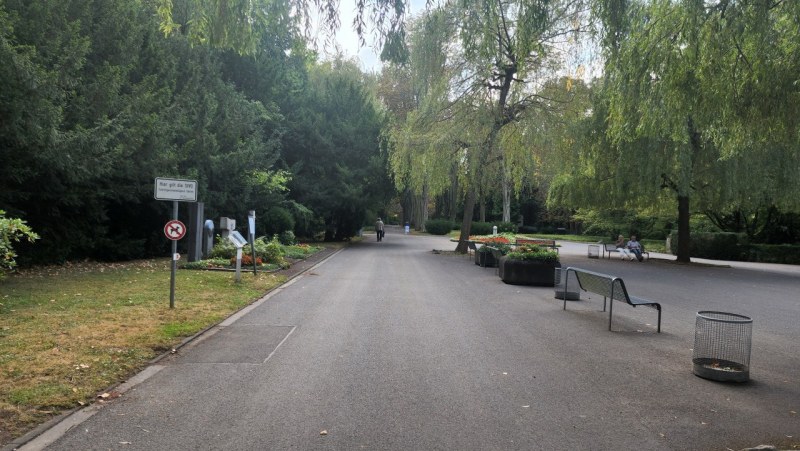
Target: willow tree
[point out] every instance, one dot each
(497, 54)
(240, 24)
(700, 101)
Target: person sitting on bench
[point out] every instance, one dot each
(635, 248)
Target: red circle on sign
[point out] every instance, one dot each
(175, 230)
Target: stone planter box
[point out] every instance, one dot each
(526, 272)
(485, 259)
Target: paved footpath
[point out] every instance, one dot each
(389, 346)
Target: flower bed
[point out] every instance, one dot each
(269, 256)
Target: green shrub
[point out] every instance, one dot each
(438, 226)
(12, 230)
(481, 228)
(277, 220)
(773, 253)
(508, 227)
(222, 249)
(272, 252)
(715, 246)
(287, 238)
(269, 251)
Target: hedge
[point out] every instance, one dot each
(438, 226)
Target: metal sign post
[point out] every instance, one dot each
(251, 222)
(174, 230)
(238, 240)
(174, 260)
(176, 190)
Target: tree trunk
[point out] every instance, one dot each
(482, 213)
(466, 222)
(453, 199)
(683, 229)
(423, 209)
(420, 210)
(407, 205)
(506, 198)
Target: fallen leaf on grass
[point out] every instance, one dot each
(110, 395)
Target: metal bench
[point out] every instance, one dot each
(610, 287)
(471, 248)
(609, 248)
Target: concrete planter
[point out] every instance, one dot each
(485, 259)
(527, 272)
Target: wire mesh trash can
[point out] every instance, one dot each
(574, 293)
(594, 251)
(722, 343)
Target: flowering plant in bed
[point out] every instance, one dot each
(533, 253)
(492, 239)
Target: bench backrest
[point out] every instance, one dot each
(610, 246)
(602, 284)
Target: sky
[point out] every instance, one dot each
(586, 67)
(347, 39)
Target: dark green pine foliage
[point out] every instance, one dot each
(332, 148)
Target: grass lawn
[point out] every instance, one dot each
(68, 333)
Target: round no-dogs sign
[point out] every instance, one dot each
(175, 230)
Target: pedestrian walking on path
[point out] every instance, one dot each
(379, 229)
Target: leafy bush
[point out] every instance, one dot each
(438, 226)
(610, 223)
(533, 253)
(504, 248)
(508, 227)
(481, 228)
(12, 230)
(715, 246)
(278, 220)
(773, 253)
(287, 238)
(272, 252)
(222, 249)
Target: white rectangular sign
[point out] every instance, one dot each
(237, 239)
(176, 189)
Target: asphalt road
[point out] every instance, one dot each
(389, 346)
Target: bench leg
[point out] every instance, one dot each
(659, 318)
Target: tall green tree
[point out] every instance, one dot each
(333, 148)
(498, 53)
(700, 100)
(240, 25)
(89, 121)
